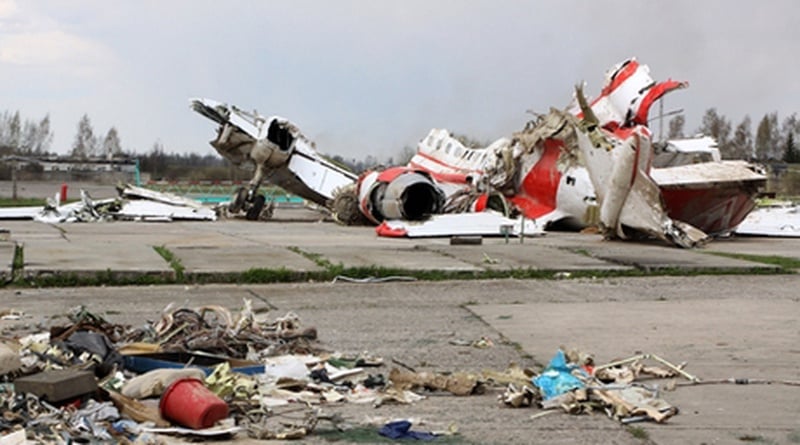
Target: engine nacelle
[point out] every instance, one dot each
(399, 193)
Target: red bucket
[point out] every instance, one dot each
(189, 403)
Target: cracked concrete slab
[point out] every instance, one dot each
(529, 255)
(91, 257)
(409, 258)
(653, 257)
(204, 259)
(785, 247)
(732, 338)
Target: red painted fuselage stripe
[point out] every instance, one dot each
(537, 196)
(653, 94)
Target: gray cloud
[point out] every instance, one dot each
(363, 77)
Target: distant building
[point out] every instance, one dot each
(97, 165)
(58, 168)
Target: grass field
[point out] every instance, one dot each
(21, 202)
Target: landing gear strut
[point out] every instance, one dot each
(249, 201)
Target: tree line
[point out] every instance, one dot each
(774, 140)
(27, 137)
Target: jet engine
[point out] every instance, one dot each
(399, 193)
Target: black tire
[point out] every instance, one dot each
(239, 198)
(255, 209)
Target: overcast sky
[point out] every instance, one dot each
(368, 76)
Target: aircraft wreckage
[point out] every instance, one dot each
(593, 163)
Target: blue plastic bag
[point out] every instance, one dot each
(557, 378)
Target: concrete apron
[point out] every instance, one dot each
(720, 339)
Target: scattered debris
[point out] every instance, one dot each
(205, 372)
(132, 204)
(210, 373)
(518, 397)
(572, 383)
(459, 383)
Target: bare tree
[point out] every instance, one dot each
(24, 137)
(27, 139)
(742, 143)
(676, 127)
(768, 138)
(14, 130)
(111, 143)
(406, 154)
(85, 144)
(716, 126)
(44, 136)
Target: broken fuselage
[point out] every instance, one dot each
(279, 153)
(593, 165)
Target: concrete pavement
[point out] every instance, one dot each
(724, 326)
(307, 245)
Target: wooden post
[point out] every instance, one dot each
(14, 180)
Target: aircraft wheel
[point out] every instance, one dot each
(255, 210)
(239, 198)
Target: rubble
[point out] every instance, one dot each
(572, 383)
(132, 204)
(245, 373)
(93, 380)
(459, 383)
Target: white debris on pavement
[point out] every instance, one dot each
(778, 221)
(133, 204)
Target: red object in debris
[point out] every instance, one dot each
(62, 197)
(74, 404)
(384, 229)
(189, 403)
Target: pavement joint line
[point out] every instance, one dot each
(258, 275)
(316, 258)
(173, 261)
(18, 262)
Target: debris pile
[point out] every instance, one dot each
(203, 372)
(571, 382)
(132, 204)
(210, 372)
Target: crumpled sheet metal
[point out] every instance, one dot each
(44, 423)
(619, 171)
(132, 204)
